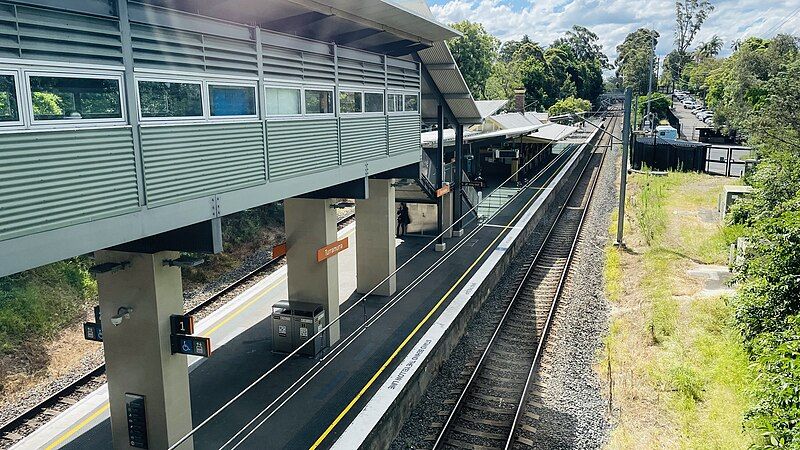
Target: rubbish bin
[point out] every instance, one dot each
(307, 320)
(282, 327)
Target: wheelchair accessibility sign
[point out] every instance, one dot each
(192, 345)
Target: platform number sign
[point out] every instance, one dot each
(93, 331)
(182, 341)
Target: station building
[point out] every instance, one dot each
(129, 128)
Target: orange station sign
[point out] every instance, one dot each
(443, 190)
(332, 249)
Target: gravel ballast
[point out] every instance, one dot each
(570, 404)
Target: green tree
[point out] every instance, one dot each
(708, 49)
(47, 104)
(689, 17)
(569, 105)
(659, 106)
(634, 56)
(475, 53)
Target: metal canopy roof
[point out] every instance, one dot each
(489, 107)
(448, 81)
(376, 25)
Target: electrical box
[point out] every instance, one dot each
(137, 420)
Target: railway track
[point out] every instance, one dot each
(491, 410)
(33, 418)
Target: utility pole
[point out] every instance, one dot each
(650, 79)
(626, 129)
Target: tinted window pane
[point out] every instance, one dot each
(232, 100)
(8, 99)
(283, 102)
(411, 103)
(350, 102)
(390, 106)
(373, 102)
(56, 98)
(319, 102)
(165, 99)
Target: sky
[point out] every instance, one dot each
(612, 20)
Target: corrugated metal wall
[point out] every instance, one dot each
(188, 161)
(297, 147)
(58, 36)
(363, 138)
(59, 178)
(404, 131)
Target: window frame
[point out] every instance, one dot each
(355, 90)
(186, 119)
(274, 85)
(312, 87)
(253, 85)
(402, 94)
(20, 122)
(60, 123)
(364, 102)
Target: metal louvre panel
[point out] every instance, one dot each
(401, 78)
(361, 73)
(189, 161)
(282, 63)
(404, 134)
(54, 179)
(162, 48)
(363, 138)
(296, 147)
(318, 68)
(58, 36)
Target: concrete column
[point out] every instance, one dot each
(311, 225)
(138, 350)
(375, 239)
(447, 214)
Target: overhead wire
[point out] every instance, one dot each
(353, 306)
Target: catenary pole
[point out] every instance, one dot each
(626, 128)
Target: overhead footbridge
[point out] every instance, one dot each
(140, 124)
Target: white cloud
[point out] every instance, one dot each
(612, 20)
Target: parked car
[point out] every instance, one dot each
(709, 120)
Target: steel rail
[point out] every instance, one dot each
(446, 427)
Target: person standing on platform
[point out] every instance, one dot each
(403, 219)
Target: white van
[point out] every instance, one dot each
(666, 132)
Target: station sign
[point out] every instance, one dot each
(476, 184)
(191, 345)
(181, 324)
(332, 249)
(93, 332)
(443, 190)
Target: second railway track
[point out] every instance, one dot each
(491, 410)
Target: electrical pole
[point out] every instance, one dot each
(626, 130)
(650, 78)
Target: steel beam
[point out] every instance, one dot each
(358, 189)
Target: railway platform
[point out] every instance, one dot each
(342, 396)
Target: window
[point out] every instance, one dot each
(411, 103)
(75, 98)
(9, 110)
(319, 102)
(170, 99)
(350, 102)
(373, 102)
(394, 102)
(232, 100)
(283, 101)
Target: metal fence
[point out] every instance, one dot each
(727, 160)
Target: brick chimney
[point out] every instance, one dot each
(519, 100)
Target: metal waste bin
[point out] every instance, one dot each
(294, 323)
(307, 320)
(282, 327)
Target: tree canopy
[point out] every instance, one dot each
(475, 53)
(571, 66)
(569, 105)
(634, 57)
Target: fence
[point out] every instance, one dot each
(727, 160)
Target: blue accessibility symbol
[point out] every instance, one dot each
(186, 345)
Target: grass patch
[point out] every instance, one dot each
(678, 373)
